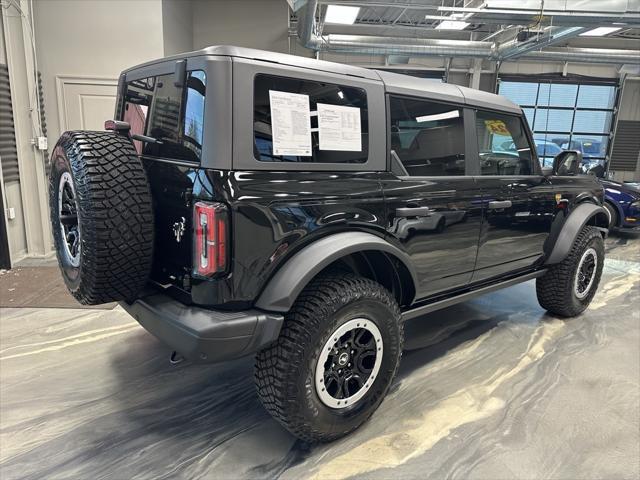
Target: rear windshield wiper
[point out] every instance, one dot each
(144, 138)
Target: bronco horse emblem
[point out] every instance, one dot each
(178, 229)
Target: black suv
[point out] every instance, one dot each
(243, 201)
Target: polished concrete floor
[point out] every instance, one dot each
(493, 389)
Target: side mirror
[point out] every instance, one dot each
(547, 170)
(567, 163)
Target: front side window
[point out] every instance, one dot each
(305, 121)
(503, 145)
(173, 115)
(427, 137)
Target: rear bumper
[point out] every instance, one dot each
(202, 335)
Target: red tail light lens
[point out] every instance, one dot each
(210, 239)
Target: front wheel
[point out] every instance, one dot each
(567, 288)
(334, 360)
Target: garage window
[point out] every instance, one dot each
(305, 121)
(566, 116)
(155, 107)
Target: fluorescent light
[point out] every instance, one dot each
(452, 25)
(600, 31)
(341, 14)
(438, 116)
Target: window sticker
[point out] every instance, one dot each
(339, 128)
(290, 123)
(498, 127)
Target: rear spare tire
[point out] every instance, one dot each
(101, 216)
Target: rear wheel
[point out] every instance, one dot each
(334, 360)
(567, 288)
(101, 216)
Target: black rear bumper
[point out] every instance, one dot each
(202, 335)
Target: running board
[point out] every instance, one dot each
(447, 302)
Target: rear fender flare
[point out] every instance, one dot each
(284, 287)
(579, 217)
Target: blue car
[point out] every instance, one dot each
(622, 200)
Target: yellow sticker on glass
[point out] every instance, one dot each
(497, 127)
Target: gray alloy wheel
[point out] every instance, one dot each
(349, 363)
(585, 273)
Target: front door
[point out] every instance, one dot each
(518, 202)
(433, 208)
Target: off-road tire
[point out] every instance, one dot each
(284, 372)
(555, 289)
(114, 212)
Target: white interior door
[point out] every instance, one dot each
(85, 103)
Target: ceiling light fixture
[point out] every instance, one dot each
(600, 31)
(456, 23)
(341, 14)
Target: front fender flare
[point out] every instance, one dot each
(285, 286)
(572, 226)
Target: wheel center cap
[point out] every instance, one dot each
(343, 358)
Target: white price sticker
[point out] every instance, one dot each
(290, 123)
(339, 128)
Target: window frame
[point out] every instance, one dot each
(536, 168)
(340, 86)
(470, 166)
(244, 73)
(181, 114)
(216, 142)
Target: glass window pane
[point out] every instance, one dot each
(557, 94)
(597, 96)
(427, 137)
(317, 93)
(590, 121)
(529, 113)
(545, 145)
(156, 107)
(548, 120)
(194, 111)
(522, 93)
(503, 145)
(546, 161)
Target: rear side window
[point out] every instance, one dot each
(173, 115)
(427, 137)
(503, 145)
(305, 121)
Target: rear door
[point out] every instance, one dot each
(518, 201)
(172, 114)
(433, 205)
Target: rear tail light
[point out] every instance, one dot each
(210, 239)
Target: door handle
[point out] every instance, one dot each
(499, 204)
(413, 211)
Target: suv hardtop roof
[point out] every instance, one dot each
(394, 82)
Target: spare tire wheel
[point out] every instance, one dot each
(101, 216)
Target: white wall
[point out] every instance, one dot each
(93, 38)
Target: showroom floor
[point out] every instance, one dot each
(491, 388)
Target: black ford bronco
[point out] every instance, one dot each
(246, 202)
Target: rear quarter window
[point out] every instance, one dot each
(307, 113)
